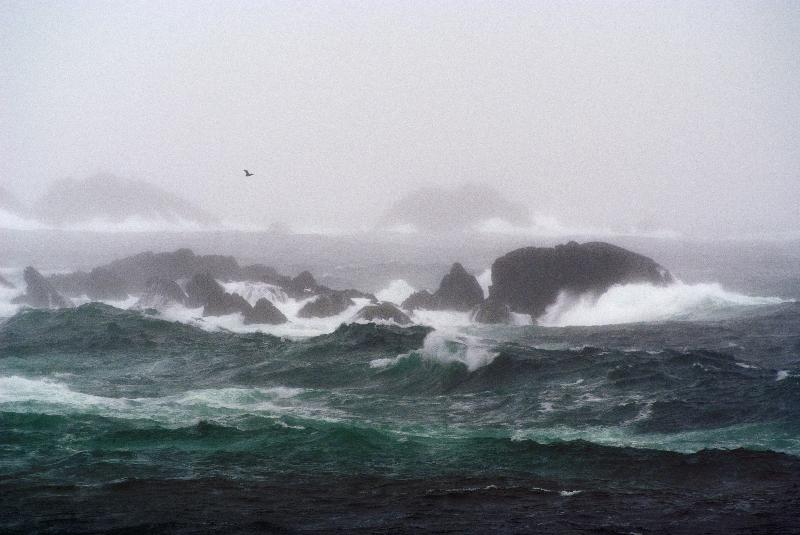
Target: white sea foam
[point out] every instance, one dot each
(397, 292)
(47, 396)
(253, 291)
(485, 280)
(642, 302)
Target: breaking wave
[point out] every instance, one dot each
(631, 303)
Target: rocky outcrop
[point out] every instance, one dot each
(6, 284)
(203, 290)
(303, 285)
(530, 279)
(458, 291)
(492, 311)
(265, 312)
(422, 299)
(181, 264)
(225, 303)
(161, 293)
(104, 284)
(39, 293)
(328, 304)
(382, 312)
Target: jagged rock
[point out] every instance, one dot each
(265, 312)
(137, 270)
(492, 311)
(39, 293)
(328, 304)
(458, 290)
(422, 299)
(161, 293)
(383, 312)
(303, 285)
(6, 284)
(222, 305)
(530, 279)
(201, 289)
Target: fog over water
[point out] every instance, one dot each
(677, 119)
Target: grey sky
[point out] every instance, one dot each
(662, 115)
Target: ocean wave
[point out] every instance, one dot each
(396, 292)
(641, 302)
(48, 396)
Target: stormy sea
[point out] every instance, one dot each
(681, 415)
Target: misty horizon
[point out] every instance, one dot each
(676, 120)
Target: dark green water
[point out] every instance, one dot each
(114, 420)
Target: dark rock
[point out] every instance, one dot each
(458, 290)
(262, 273)
(530, 279)
(6, 284)
(383, 312)
(492, 311)
(422, 299)
(138, 270)
(222, 305)
(328, 304)
(161, 293)
(303, 285)
(39, 293)
(202, 289)
(265, 312)
(104, 284)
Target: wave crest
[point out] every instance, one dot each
(642, 302)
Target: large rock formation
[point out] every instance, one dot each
(530, 279)
(39, 293)
(104, 284)
(422, 299)
(328, 304)
(161, 293)
(203, 290)
(458, 291)
(105, 199)
(382, 312)
(265, 312)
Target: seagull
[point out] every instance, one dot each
(248, 173)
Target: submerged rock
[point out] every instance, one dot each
(383, 312)
(329, 304)
(161, 293)
(530, 279)
(492, 311)
(265, 312)
(39, 293)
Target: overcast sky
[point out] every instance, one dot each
(666, 115)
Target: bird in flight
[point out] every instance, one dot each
(248, 173)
